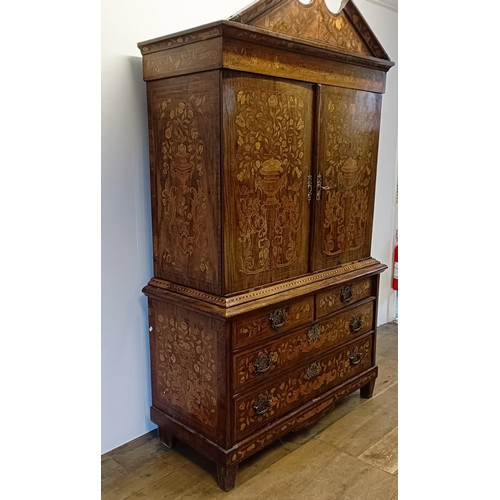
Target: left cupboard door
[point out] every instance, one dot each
(267, 136)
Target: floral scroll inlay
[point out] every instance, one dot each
(183, 168)
(270, 172)
(186, 367)
(321, 25)
(326, 334)
(332, 298)
(261, 325)
(351, 143)
(297, 386)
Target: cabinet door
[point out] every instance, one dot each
(267, 161)
(345, 180)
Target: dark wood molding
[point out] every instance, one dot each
(267, 295)
(230, 29)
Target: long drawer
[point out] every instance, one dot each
(250, 367)
(258, 407)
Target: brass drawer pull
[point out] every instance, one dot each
(277, 318)
(355, 324)
(261, 404)
(313, 333)
(355, 358)
(313, 370)
(346, 294)
(263, 362)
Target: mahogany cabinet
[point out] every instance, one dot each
(263, 137)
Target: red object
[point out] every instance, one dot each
(395, 273)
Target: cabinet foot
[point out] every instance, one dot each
(166, 436)
(226, 476)
(367, 390)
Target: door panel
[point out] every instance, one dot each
(267, 160)
(346, 169)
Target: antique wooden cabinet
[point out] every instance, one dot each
(263, 147)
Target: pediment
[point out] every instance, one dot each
(347, 30)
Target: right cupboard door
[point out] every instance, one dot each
(345, 176)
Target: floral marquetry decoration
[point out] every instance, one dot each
(271, 162)
(263, 134)
(187, 366)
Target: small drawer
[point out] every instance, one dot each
(281, 395)
(343, 295)
(270, 321)
(253, 366)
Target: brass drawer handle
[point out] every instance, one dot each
(277, 318)
(261, 404)
(356, 323)
(313, 370)
(263, 362)
(313, 333)
(346, 294)
(355, 358)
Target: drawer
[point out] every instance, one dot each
(254, 366)
(281, 395)
(268, 322)
(341, 296)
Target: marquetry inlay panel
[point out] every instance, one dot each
(184, 117)
(296, 19)
(348, 155)
(336, 298)
(258, 327)
(185, 363)
(267, 161)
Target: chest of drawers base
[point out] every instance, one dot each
(230, 384)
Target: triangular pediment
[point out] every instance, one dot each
(346, 30)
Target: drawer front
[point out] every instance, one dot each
(341, 296)
(270, 321)
(255, 365)
(283, 394)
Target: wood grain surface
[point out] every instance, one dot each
(347, 163)
(267, 160)
(185, 179)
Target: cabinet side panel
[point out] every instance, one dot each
(184, 125)
(267, 160)
(347, 163)
(186, 366)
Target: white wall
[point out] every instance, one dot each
(125, 207)
(384, 23)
